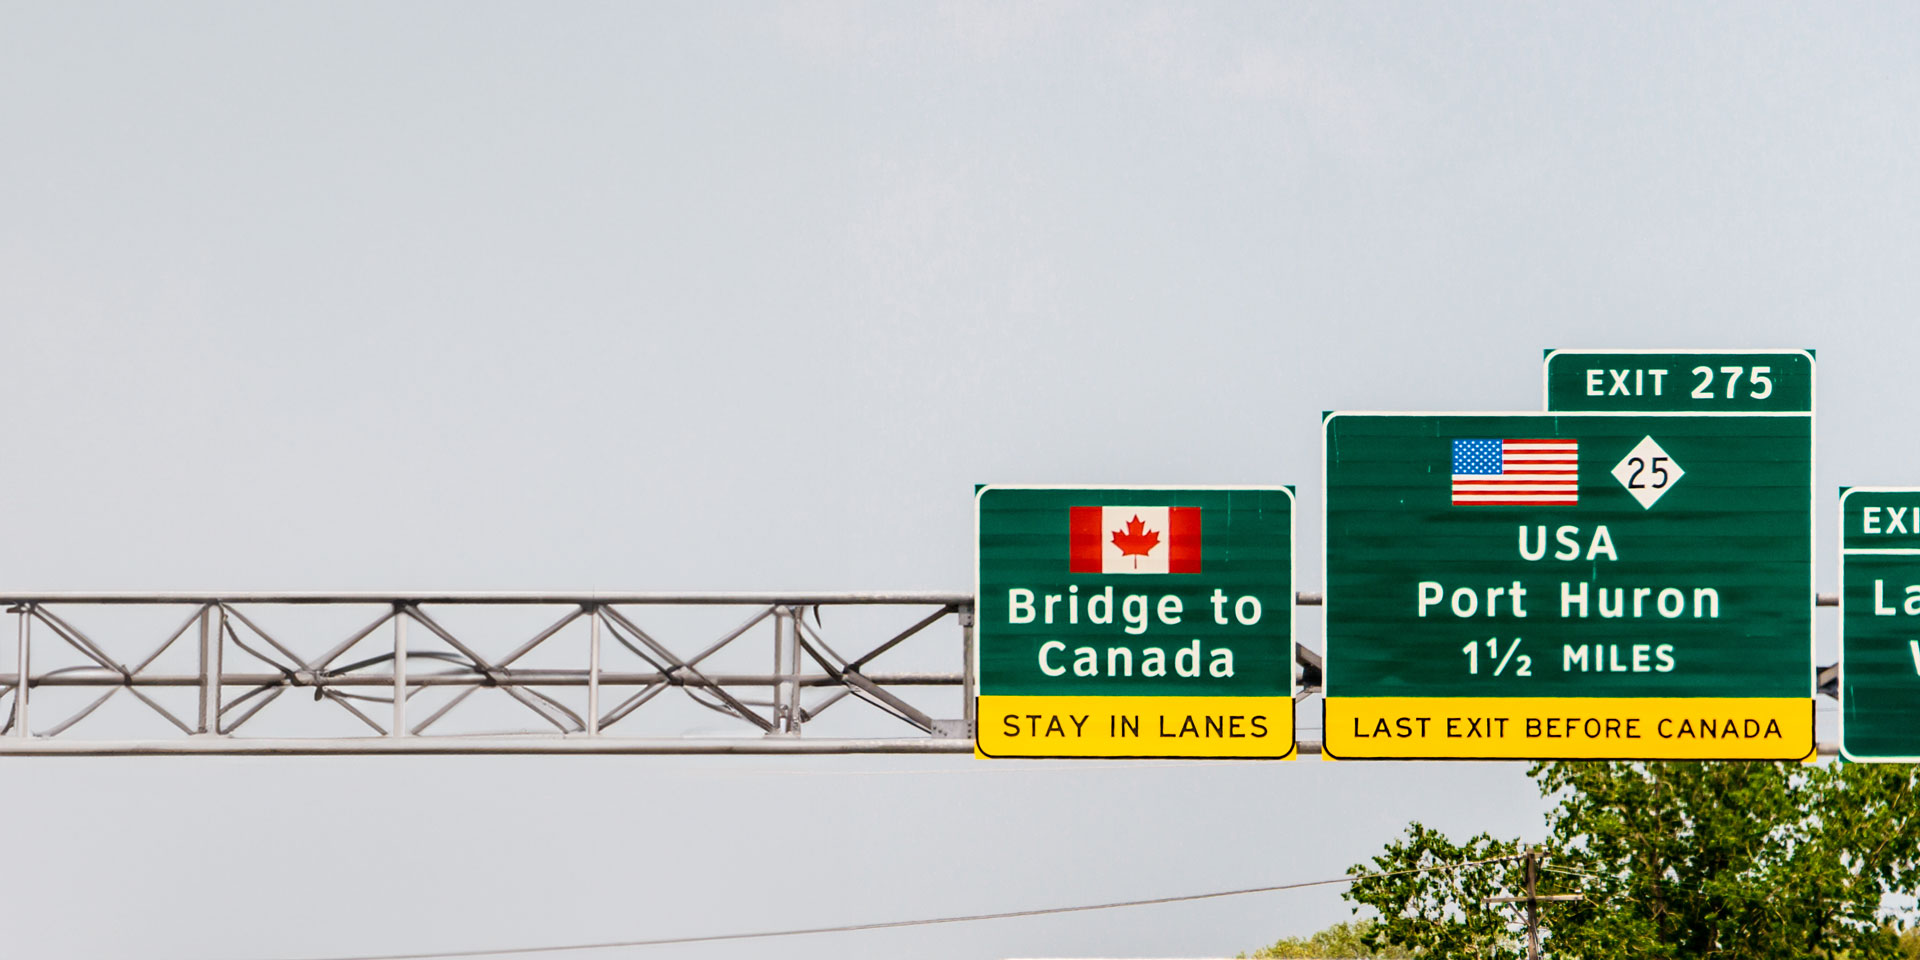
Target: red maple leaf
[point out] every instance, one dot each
(1136, 540)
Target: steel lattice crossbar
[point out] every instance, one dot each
(403, 650)
(405, 672)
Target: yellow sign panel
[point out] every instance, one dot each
(1249, 728)
(1570, 728)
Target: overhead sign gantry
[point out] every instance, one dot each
(1625, 575)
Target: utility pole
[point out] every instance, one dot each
(1533, 908)
(1533, 900)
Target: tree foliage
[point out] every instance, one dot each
(1342, 941)
(1705, 861)
(1428, 890)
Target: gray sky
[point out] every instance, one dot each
(669, 296)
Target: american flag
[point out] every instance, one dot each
(1516, 472)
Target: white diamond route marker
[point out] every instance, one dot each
(1647, 472)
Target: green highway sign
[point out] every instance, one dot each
(1679, 381)
(1134, 622)
(1578, 584)
(1880, 624)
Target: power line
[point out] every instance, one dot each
(895, 924)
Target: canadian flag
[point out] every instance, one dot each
(1134, 540)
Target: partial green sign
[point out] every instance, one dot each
(1880, 624)
(1135, 622)
(1700, 381)
(1574, 585)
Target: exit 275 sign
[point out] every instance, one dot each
(1135, 622)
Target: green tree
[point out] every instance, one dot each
(1428, 890)
(1715, 861)
(1342, 941)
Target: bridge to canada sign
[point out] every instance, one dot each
(1582, 584)
(1135, 622)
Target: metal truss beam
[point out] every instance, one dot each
(244, 668)
(572, 686)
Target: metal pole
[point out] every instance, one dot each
(205, 613)
(21, 685)
(779, 684)
(399, 672)
(212, 637)
(1533, 909)
(965, 613)
(593, 672)
(793, 683)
